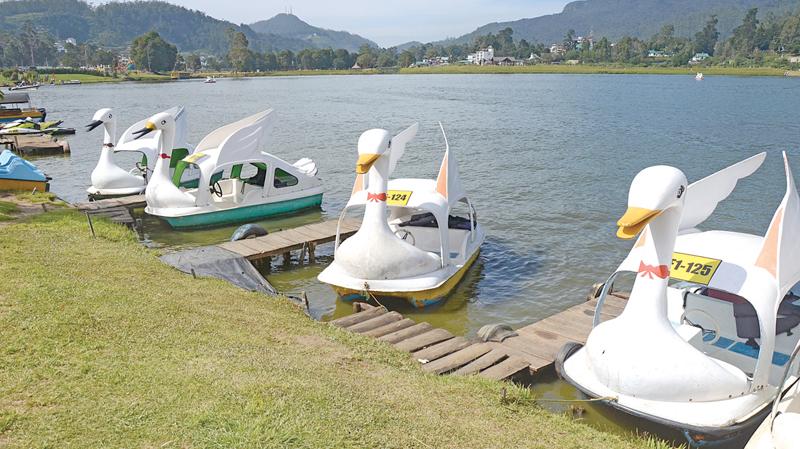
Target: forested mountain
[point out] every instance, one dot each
(637, 18)
(116, 24)
(290, 26)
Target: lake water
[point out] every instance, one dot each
(546, 159)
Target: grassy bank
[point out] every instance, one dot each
(593, 69)
(104, 346)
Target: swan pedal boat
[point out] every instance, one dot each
(411, 244)
(109, 180)
(703, 342)
(240, 182)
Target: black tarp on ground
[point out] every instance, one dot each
(213, 261)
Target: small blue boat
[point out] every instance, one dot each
(18, 174)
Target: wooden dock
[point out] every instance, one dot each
(118, 210)
(304, 238)
(35, 144)
(533, 348)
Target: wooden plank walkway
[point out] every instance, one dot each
(129, 202)
(303, 238)
(438, 351)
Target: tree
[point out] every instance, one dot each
(406, 59)
(706, 40)
(193, 62)
(744, 36)
(152, 52)
(239, 55)
(569, 40)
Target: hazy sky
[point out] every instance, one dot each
(385, 22)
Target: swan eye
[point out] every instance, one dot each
(681, 190)
(163, 122)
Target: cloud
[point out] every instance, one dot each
(387, 23)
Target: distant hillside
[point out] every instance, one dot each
(407, 45)
(291, 27)
(638, 18)
(116, 24)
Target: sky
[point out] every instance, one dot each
(385, 22)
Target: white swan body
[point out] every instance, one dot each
(406, 246)
(686, 355)
(108, 178)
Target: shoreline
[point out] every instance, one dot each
(539, 69)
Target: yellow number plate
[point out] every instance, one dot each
(695, 269)
(193, 158)
(398, 197)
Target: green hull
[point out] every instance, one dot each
(243, 214)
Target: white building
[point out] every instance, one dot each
(71, 40)
(481, 57)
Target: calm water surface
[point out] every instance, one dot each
(546, 159)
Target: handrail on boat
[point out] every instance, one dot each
(602, 298)
(780, 392)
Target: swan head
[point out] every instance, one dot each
(103, 116)
(372, 145)
(653, 191)
(159, 122)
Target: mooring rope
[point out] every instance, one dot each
(604, 398)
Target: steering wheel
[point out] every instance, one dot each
(714, 323)
(404, 235)
(216, 189)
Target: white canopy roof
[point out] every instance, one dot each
(240, 141)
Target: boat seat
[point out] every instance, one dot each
(427, 220)
(747, 320)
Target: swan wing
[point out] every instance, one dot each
(703, 196)
(398, 145)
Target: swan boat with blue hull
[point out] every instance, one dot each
(418, 237)
(18, 174)
(238, 182)
(109, 180)
(703, 342)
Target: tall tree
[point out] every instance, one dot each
(239, 55)
(152, 52)
(706, 40)
(744, 36)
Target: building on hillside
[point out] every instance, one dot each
(699, 57)
(356, 66)
(558, 49)
(579, 43)
(71, 41)
(658, 54)
(534, 59)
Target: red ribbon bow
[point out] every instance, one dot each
(376, 197)
(660, 271)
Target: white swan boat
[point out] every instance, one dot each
(111, 180)
(704, 340)
(238, 181)
(412, 244)
(699, 76)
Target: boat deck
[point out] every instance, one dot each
(438, 351)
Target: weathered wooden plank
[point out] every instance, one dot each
(505, 369)
(373, 323)
(542, 346)
(481, 363)
(406, 333)
(440, 350)
(389, 328)
(423, 340)
(237, 247)
(358, 317)
(457, 359)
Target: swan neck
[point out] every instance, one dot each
(165, 142)
(649, 293)
(375, 210)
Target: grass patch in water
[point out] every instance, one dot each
(105, 346)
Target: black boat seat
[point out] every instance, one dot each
(427, 220)
(747, 319)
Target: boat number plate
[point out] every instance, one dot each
(398, 197)
(694, 269)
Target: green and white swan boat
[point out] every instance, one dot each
(238, 181)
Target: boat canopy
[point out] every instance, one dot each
(15, 98)
(235, 143)
(14, 167)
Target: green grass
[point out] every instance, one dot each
(105, 346)
(83, 78)
(7, 211)
(39, 198)
(593, 69)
